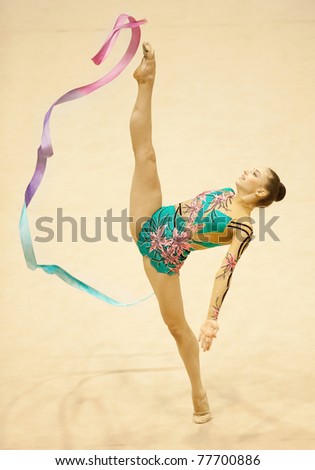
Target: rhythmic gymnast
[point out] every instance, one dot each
(165, 235)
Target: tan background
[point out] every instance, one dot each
(235, 89)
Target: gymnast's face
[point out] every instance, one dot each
(253, 180)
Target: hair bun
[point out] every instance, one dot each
(281, 193)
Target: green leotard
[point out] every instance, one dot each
(167, 238)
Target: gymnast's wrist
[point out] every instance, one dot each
(213, 313)
(212, 318)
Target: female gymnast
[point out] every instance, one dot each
(165, 235)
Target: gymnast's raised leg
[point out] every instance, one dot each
(145, 199)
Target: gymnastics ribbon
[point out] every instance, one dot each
(45, 151)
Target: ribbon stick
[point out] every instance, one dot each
(45, 151)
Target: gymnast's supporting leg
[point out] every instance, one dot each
(168, 292)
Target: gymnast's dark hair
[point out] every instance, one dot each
(276, 190)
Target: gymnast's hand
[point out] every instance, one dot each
(208, 331)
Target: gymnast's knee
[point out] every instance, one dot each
(178, 331)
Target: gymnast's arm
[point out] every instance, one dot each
(241, 237)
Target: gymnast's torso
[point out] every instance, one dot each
(214, 204)
(174, 231)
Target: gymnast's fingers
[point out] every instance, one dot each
(209, 344)
(205, 343)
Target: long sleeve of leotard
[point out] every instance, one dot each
(241, 237)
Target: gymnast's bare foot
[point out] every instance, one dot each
(202, 413)
(145, 73)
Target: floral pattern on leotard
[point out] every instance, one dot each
(215, 309)
(158, 241)
(173, 248)
(180, 242)
(194, 209)
(220, 201)
(229, 266)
